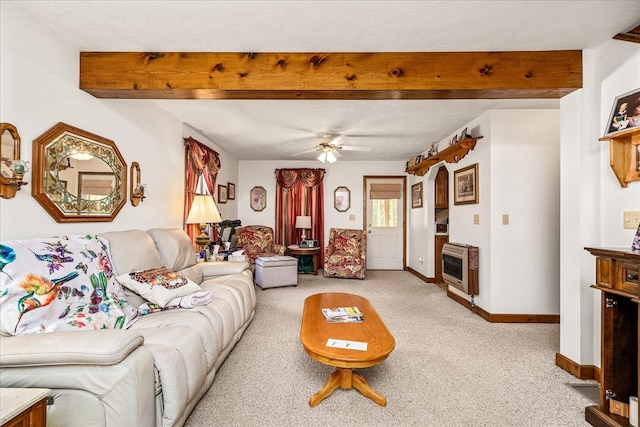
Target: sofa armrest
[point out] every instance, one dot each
(222, 268)
(96, 347)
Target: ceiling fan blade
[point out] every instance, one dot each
(352, 148)
(306, 151)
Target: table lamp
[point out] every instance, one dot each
(203, 211)
(303, 222)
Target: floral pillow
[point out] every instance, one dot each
(60, 283)
(158, 285)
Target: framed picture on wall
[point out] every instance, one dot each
(258, 198)
(342, 199)
(416, 195)
(625, 112)
(231, 191)
(222, 194)
(465, 185)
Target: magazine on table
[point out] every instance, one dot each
(343, 315)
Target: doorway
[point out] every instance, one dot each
(385, 220)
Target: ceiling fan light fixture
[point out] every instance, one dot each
(327, 157)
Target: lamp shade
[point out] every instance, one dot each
(203, 210)
(303, 222)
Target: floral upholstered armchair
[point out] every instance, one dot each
(257, 241)
(345, 255)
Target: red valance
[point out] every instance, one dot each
(287, 178)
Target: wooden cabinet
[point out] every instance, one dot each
(442, 188)
(440, 241)
(617, 279)
(624, 155)
(23, 407)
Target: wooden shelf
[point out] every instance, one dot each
(624, 156)
(452, 154)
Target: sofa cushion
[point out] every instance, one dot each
(158, 285)
(132, 250)
(175, 247)
(60, 283)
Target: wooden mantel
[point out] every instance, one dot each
(338, 75)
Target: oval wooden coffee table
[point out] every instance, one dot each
(316, 331)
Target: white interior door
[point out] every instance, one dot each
(385, 225)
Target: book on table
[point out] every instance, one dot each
(343, 315)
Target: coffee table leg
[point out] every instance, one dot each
(332, 383)
(360, 384)
(345, 378)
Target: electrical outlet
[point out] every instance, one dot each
(420, 260)
(631, 219)
(505, 219)
(476, 219)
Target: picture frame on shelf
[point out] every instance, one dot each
(464, 135)
(258, 198)
(231, 191)
(454, 140)
(465, 185)
(416, 195)
(342, 199)
(625, 112)
(222, 194)
(418, 159)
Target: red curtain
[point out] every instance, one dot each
(299, 192)
(199, 159)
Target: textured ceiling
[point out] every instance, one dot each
(273, 129)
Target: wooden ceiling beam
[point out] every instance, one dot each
(423, 75)
(633, 35)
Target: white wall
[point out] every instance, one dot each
(39, 87)
(592, 200)
(518, 175)
(341, 173)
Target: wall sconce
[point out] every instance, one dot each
(12, 169)
(136, 190)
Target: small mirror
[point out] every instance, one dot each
(9, 149)
(342, 199)
(78, 176)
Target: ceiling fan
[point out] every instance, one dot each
(329, 149)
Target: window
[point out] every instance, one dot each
(385, 213)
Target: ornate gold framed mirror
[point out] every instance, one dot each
(78, 176)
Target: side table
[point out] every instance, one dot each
(297, 251)
(23, 407)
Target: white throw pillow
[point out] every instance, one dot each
(158, 285)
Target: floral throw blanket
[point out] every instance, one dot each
(60, 283)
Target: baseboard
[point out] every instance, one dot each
(583, 372)
(493, 318)
(420, 276)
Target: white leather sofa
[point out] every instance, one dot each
(154, 372)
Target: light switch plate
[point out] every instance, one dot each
(631, 219)
(505, 219)
(476, 219)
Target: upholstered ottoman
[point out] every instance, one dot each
(275, 271)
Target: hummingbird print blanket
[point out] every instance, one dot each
(60, 283)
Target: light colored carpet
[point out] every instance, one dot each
(449, 368)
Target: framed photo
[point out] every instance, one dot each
(463, 134)
(625, 113)
(465, 185)
(222, 193)
(342, 199)
(418, 159)
(95, 185)
(416, 195)
(231, 191)
(258, 198)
